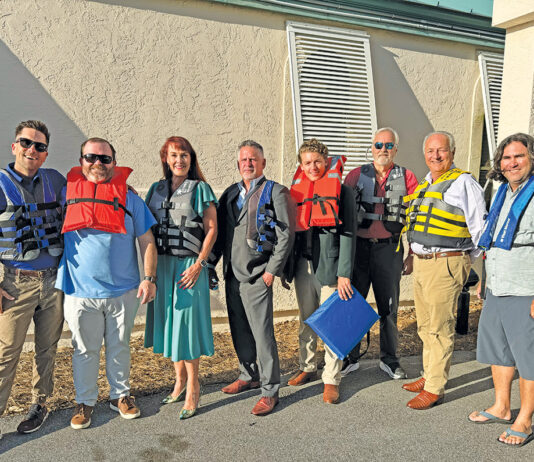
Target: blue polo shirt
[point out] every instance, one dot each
(98, 264)
(57, 181)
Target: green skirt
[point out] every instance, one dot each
(178, 321)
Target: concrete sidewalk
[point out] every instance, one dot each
(371, 422)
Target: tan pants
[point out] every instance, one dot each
(437, 285)
(310, 295)
(37, 299)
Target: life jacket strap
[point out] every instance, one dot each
(321, 200)
(115, 203)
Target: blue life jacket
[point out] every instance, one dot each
(506, 234)
(261, 234)
(29, 222)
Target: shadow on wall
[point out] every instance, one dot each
(22, 98)
(398, 107)
(209, 11)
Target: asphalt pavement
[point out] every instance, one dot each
(371, 422)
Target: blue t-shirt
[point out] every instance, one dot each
(98, 264)
(56, 181)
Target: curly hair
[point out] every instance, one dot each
(313, 145)
(181, 143)
(495, 172)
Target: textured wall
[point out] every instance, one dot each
(138, 75)
(137, 71)
(518, 75)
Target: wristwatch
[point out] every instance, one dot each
(203, 263)
(152, 279)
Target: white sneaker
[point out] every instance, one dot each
(349, 367)
(395, 371)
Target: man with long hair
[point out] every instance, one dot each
(506, 326)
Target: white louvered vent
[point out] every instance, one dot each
(333, 94)
(491, 67)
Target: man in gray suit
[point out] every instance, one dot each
(256, 220)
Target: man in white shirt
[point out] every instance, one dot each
(444, 222)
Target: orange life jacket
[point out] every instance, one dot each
(98, 206)
(318, 201)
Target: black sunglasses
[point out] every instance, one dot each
(92, 158)
(26, 144)
(389, 146)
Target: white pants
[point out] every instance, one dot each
(92, 320)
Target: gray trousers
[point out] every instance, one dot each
(380, 265)
(92, 320)
(250, 312)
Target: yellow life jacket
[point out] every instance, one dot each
(430, 221)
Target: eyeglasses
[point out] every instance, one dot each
(389, 146)
(92, 158)
(26, 144)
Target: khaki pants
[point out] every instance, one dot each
(437, 285)
(310, 295)
(37, 299)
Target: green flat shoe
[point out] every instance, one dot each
(172, 399)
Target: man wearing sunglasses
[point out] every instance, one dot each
(99, 275)
(30, 248)
(379, 188)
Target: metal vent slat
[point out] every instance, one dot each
(333, 94)
(491, 68)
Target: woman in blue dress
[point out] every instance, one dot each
(178, 322)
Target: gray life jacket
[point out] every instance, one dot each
(30, 222)
(394, 216)
(180, 230)
(261, 223)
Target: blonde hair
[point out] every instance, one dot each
(313, 145)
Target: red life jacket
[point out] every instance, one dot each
(318, 201)
(98, 206)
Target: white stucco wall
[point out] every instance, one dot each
(138, 71)
(517, 17)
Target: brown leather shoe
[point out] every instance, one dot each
(240, 385)
(331, 394)
(415, 387)
(301, 377)
(425, 400)
(265, 405)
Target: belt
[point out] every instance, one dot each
(386, 240)
(31, 273)
(441, 255)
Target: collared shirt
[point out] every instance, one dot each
(511, 272)
(466, 194)
(98, 264)
(243, 194)
(58, 182)
(377, 230)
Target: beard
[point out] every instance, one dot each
(97, 173)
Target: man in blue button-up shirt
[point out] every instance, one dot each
(30, 248)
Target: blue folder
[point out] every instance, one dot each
(341, 324)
